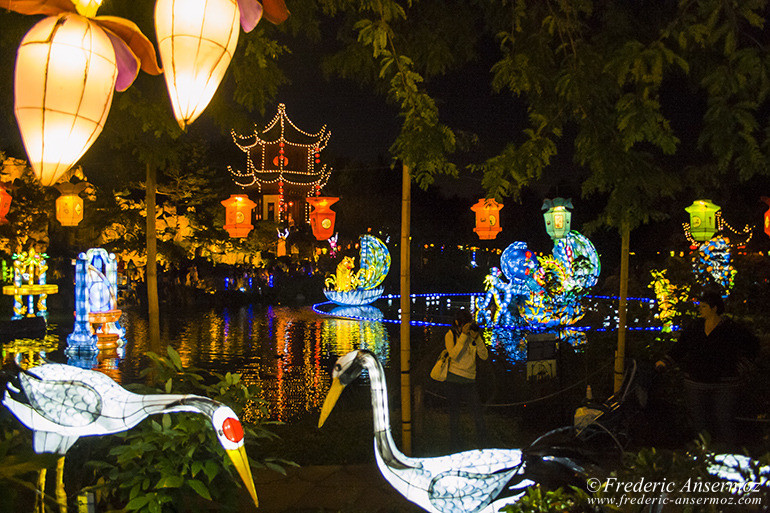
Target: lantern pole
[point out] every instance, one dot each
(620, 354)
(151, 274)
(406, 392)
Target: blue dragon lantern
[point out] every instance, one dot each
(364, 286)
(543, 291)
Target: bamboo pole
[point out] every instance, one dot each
(406, 402)
(151, 274)
(620, 354)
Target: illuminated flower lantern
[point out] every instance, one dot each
(67, 67)
(238, 215)
(196, 41)
(5, 203)
(557, 217)
(69, 206)
(767, 215)
(322, 217)
(703, 220)
(487, 218)
(346, 287)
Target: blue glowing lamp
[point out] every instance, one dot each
(703, 219)
(557, 217)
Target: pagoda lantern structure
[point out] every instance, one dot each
(283, 168)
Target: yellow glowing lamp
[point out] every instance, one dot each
(322, 217)
(238, 209)
(703, 219)
(87, 8)
(69, 205)
(487, 218)
(5, 204)
(767, 215)
(196, 41)
(64, 81)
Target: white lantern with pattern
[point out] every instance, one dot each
(196, 41)
(64, 81)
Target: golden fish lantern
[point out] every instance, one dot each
(238, 209)
(196, 41)
(64, 81)
(69, 206)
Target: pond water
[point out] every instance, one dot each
(290, 351)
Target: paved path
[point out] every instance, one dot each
(327, 489)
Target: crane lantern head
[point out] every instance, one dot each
(347, 368)
(230, 434)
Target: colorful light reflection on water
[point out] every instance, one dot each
(288, 351)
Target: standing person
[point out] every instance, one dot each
(710, 353)
(463, 343)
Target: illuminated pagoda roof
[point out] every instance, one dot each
(283, 157)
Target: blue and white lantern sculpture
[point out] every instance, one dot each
(363, 287)
(96, 290)
(541, 292)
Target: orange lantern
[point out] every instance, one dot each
(69, 206)
(322, 217)
(238, 215)
(487, 218)
(767, 215)
(5, 203)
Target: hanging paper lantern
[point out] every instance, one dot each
(557, 217)
(5, 204)
(703, 221)
(487, 218)
(322, 217)
(238, 215)
(767, 215)
(69, 206)
(196, 41)
(65, 77)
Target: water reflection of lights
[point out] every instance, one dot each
(28, 352)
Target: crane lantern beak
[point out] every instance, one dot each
(241, 463)
(331, 400)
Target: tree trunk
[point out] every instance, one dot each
(151, 274)
(620, 355)
(406, 403)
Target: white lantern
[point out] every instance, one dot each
(196, 41)
(64, 82)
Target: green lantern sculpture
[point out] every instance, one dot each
(703, 219)
(557, 217)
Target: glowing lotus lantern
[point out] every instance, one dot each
(5, 204)
(487, 218)
(67, 67)
(69, 206)
(238, 209)
(557, 217)
(196, 41)
(322, 217)
(703, 220)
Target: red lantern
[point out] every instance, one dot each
(322, 217)
(238, 215)
(487, 218)
(767, 215)
(5, 203)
